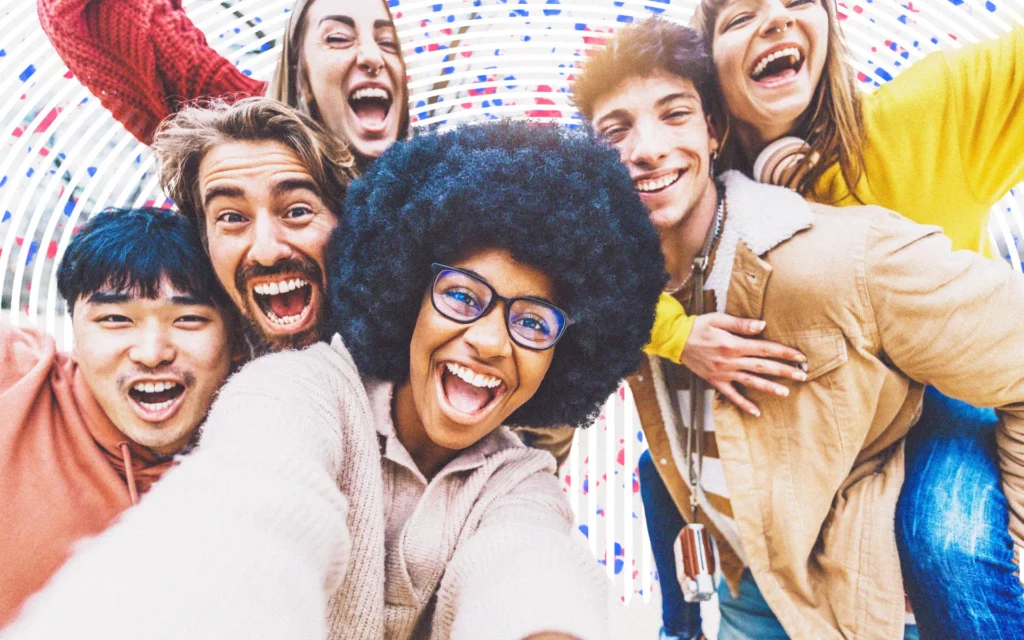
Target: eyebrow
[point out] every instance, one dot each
(222, 192)
(378, 24)
(294, 184)
(483, 279)
(623, 113)
(110, 297)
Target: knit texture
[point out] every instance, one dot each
(258, 534)
(143, 59)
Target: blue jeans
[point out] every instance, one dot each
(951, 527)
(951, 513)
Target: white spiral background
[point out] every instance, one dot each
(63, 157)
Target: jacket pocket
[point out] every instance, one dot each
(825, 349)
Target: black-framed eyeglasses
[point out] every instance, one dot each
(464, 298)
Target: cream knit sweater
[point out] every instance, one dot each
(249, 536)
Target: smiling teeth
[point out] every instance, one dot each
(788, 51)
(159, 406)
(369, 92)
(274, 288)
(657, 183)
(285, 321)
(153, 387)
(475, 379)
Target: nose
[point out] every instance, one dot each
(369, 58)
(650, 146)
(779, 19)
(488, 335)
(268, 246)
(152, 347)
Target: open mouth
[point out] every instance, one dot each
(656, 185)
(286, 303)
(468, 392)
(778, 65)
(156, 401)
(371, 105)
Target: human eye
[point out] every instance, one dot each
(737, 20)
(192, 320)
(298, 212)
(388, 43)
(113, 319)
(461, 300)
(798, 3)
(613, 135)
(679, 113)
(339, 38)
(230, 218)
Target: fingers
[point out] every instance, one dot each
(732, 324)
(761, 384)
(734, 396)
(763, 367)
(766, 349)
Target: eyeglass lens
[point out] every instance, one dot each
(463, 298)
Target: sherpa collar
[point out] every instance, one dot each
(762, 216)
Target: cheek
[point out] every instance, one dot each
(533, 366)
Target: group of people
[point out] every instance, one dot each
(341, 374)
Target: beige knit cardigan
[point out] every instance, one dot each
(250, 536)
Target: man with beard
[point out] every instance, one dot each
(263, 183)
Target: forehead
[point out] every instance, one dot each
(509, 277)
(362, 12)
(644, 93)
(249, 166)
(166, 296)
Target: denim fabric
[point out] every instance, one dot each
(679, 618)
(951, 527)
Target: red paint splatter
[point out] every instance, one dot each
(48, 120)
(51, 251)
(621, 457)
(858, 9)
(17, 132)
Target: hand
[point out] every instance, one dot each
(714, 353)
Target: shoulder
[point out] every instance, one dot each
(320, 369)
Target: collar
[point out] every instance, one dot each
(761, 216)
(147, 465)
(380, 394)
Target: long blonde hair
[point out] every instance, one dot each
(832, 125)
(290, 72)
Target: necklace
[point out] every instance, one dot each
(709, 241)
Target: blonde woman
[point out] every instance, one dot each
(341, 63)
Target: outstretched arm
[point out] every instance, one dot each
(246, 538)
(141, 58)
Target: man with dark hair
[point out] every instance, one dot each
(801, 500)
(82, 435)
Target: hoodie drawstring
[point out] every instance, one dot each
(126, 456)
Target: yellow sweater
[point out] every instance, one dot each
(944, 142)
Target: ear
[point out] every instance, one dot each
(713, 143)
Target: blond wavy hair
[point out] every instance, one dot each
(833, 123)
(183, 140)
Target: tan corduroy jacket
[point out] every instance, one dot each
(881, 307)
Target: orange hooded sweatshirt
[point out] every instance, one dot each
(63, 471)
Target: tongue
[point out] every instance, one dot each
(371, 112)
(288, 304)
(781, 75)
(464, 396)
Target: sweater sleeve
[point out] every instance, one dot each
(671, 330)
(245, 538)
(141, 58)
(523, 573)
(945, 139)
(953, 320)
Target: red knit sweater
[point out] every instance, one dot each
(142, 58)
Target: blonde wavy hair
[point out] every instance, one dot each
(833, 125)
(183, 140)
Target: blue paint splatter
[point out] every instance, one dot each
(7, 216)
(581, 26)
(956, 3)
(3, 181)
(447, 70)
(626, 19)
(883, 74)
(991, 6)
(3, 53)
(552, 12)
(29, 173)
(27, 73)
(267, 46)
(584, 530)
(91, 171)
(69, 207)
(32, 249)
(618, 566)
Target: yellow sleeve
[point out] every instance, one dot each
(671, 329)
(945, 139)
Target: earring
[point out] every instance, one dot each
(711, 167)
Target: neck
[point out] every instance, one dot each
(753, 139)
(682, 243)
(428, 456)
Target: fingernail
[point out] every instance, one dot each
(801, 376)
(759, 325)
(801, 358)
(756, 412)
(785, 392)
